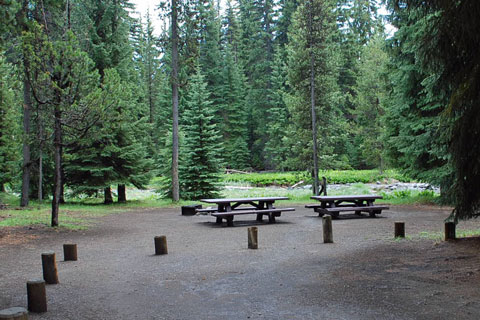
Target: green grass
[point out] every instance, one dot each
(460, 233)
(74, 215)
(333, 177)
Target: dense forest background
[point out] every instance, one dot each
(86, 93)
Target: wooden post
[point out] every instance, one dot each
(399, 229)
(15, 313)
(49, 266)
(161, 245)
(327, 229)
(70, 252)
(450, 233)
(36, 296)
(253, 238)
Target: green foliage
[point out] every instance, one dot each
(416, 137)
(9, 124)
(333, 177)
(199, 171)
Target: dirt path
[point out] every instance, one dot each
(210, 274)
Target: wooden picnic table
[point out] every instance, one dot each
(230, 207)
(333, 205)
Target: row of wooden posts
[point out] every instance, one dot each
(449, 230)
(36, 293)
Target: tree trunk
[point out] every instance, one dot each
(108, 195)
(40, 159)
(27, 106)
(314, 115)
(40, 175)
(122, 194)
(57, 185)
(175, 182)
(62, 181)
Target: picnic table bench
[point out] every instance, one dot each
(228, 208)
(333, 205)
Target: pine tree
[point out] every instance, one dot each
(9, 125)
(319, 44)
(256, 57)
(109, 47)
(199, 174)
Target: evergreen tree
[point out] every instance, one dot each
(414, 139)
(370, 103)
(9, 125)
(109, 47)
(233, 114)
(200, 170)
(303, 45)
(256, 56)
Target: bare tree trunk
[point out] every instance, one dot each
(57, 185)
(40, 159)
(108, 195)
(122, 193)
(27, 107)
(175, 182)
(314, 114)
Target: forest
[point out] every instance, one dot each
(93, 98)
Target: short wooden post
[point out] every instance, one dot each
(70, 252)
(15, 313)
(36, 296)
(327, 229)
(49, 266)
(399, 229)
(450, 233)
(161, 245)
(252, 238)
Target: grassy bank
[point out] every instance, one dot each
(333, 177)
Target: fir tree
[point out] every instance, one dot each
(200, 170)
(9, 125)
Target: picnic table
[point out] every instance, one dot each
(228, 208)
(333, 205)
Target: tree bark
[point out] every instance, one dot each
(49, 266)
(57, 185)
(175, 182)
(314, 114)
(36, 296)
(27, 106)
(108, 195)
(122, 193)
(40, 158)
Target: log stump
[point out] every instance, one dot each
(49, 266)
(253, 238)
(70, 252)
(399, 229)
(450, 233)
(327, 229)
(161, 245)
(36, 296)
(15, 313)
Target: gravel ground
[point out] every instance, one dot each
(210, 274)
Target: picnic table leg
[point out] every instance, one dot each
(229, 221)
(219, 220)
(259, 217)
(271, 218)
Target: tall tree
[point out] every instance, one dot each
(174, 81)
(312, 73)
(447, 50)
(200, 170)
(9, 126)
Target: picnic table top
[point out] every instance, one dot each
(243, 200)
(347, 198)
